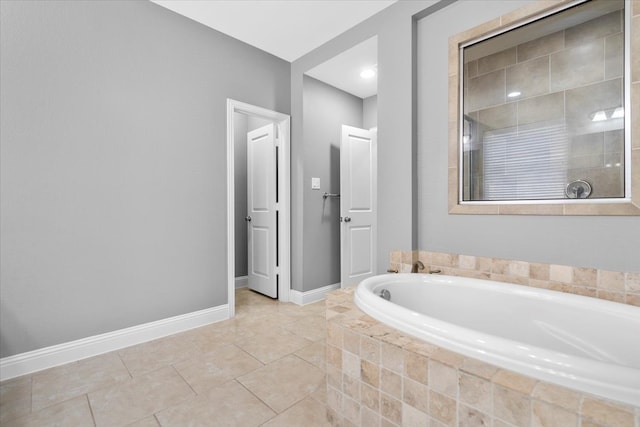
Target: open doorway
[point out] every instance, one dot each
(240, 118)
(340, 91)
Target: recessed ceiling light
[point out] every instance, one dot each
(618, 113)
(514, 94)
(367, 73)
(599, 116)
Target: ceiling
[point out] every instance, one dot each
(289, 29)
(343, 70)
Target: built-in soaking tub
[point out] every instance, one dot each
(586, 344)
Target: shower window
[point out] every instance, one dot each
(543, 108)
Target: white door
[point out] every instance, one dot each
(262, 210)
(358, 189)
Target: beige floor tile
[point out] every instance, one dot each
(310, 327)
(146, 422)
(75, 379)
(272, 345)
(150, 356)
(15, 398)
(74, 412)
(139, 397)
(217, 367)
(314, 354)
(308, 413)
(228, 404)
(284, 382)
(211, 337)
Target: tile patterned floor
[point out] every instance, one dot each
(263, 368)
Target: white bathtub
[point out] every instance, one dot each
(583, 343)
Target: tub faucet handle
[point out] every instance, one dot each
(391, 270)
(418, 265)
(436, 271)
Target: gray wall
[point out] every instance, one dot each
(396, 226)
(370, 112)
(326, 109)
(113, 165)
(597, 242)
(242, 124)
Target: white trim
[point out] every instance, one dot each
(48, 357)
(315, 295)
(241, 282)
(283, 121)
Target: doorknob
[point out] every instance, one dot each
(247, 218)
(347, 219)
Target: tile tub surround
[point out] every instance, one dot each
(377, 376)
(623, 287)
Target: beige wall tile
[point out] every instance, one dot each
(470, 417)
(442, 408)
(370, 397)
(467, 262)
(541, 46)
(585, 277)
(539, 271)
(541, 108)
(594, 29)
(578, 66)
(614, 56)
(584, 100)
(530, 78)
(334, 377)
(611, 296)
(632, 282)
(391, 383)
(392, 358)
(557, 395)
(476, 392)
(351, 387)
(415, 394)
(351, 341)
(478, 368)
(443, 378)
(334, 335)
(391, 408)
(412, 417)
(484, 91)
(370, 373)
(416, 367)
(515, 381)
(351, 364)
(334, 399)
(370, 349)
(499, 117)
(546, 415)
(511, 406)
(496, 61)
(351, 410)
(334, 356)
(560, 273)
(606, 413)
(519, 268)
(369, 417)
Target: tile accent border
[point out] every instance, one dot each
(617, 286)
(513, 18)
(48, 357)
(315, 295)
(376, 376)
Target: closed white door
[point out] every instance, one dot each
(358, 189)
(262, 210)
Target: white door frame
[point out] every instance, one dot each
(283, 123)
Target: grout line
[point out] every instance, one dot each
(93, 417)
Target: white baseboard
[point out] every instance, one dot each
(242, 282)
(308, 297)
(48, 357)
